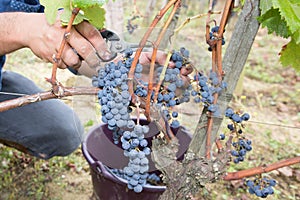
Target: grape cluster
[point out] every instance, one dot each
(114, 99)
(261, 187)
(213, 35)
(241, 147)
(204, 90)
(136, 149)
(172, 81)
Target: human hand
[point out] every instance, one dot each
(83, 43)
(145, 60)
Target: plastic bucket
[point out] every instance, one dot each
(101, 153)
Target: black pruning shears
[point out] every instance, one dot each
(117, 45)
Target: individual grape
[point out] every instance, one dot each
(230, 127)
(222, 136)
(186, 53)
(128, 52)
(139, 68)
(134, 142)
(272, 182)
(147, 150)
(174, 114)
(215, 29)
(126, 145)
(143, 143)
(144, 161)
(178, 64)
(166, 97)
(236, 160)
(141, 154)
(172, 103)
(131, 124)
(194, 93)
(229, 112)
(212, 108)
(138, 188)
(133, 182)
(172, 87)
(245, 117)
(234, 153)
(175, 124)
(197, 100)
(236, 118)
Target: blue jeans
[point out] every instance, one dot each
(43, 129)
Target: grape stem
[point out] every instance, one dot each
(57, 57)
(261, 169)
(193, 18)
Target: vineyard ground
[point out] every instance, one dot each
(268, 92)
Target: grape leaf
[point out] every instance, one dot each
(290, 55)
(66, 15)
(274, 22)
(88, 3)
(91, 10)
(95, 15)
(265, 5)
(289, 10)
(296, 37)
(51, 8)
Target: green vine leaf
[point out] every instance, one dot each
(88, 3)
(51, 8)
(289, 10)
(265, 5)
(273, 21)
(290, 55)
(283, 18)
(91, 10)
(95, 15)
(66, 15)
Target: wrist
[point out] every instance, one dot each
(17, 30)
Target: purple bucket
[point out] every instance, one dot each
(101, 153)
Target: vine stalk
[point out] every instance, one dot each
(143, 43)
(28, 99)
(154, 53)
(261, 169)
(216, 46)
(57, 57)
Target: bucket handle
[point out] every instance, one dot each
(102, 169)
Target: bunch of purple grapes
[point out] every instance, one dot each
(136, 149)
(240, 145)
(167, 98)
(213, 35)
(114, 99)
(205, 89)
(261, 187)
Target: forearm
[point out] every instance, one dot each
(12, 31)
